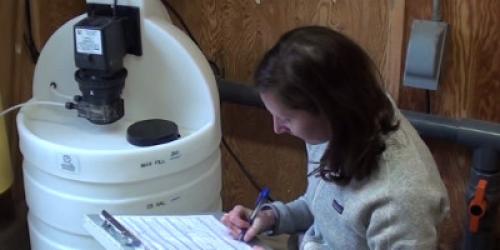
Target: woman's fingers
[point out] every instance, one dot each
(236, 220)
(251, 233)
(258, 248)
(264, 221)
(235, 231)
(255, 229)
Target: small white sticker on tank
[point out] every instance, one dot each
(68, 163)
(88, 41)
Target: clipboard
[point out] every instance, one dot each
(110, 233)
(114, 235)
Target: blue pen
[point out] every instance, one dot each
(261, 199)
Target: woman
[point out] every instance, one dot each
(372, 182)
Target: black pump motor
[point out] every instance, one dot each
(101, 41)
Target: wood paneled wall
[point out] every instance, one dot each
(16, 63)
(469, 89)
(15, 75)
(7, 26)
(235, 34)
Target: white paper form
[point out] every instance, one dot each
(181, 232)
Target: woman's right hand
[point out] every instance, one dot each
(237, 220)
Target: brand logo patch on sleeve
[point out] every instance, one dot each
(336, 205)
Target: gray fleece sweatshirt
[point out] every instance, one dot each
(398, 207)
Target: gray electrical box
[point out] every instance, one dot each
(424, 54)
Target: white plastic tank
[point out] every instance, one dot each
(73, 167)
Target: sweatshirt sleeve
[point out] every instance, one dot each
(292, 217)
(407, 222)
(296, 216)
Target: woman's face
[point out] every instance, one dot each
(310, 128)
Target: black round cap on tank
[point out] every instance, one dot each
(152, 132)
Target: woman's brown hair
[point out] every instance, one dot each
(322, 71)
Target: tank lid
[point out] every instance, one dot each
(152, 132)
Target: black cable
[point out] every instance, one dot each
(436, 11)
(427, 101)
(115, 4)
(28, 35)
(243, 168)
(215, 68)
(217, 72)
(179, 17)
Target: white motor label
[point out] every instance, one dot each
(88, 41)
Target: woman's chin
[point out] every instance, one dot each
(315, 141)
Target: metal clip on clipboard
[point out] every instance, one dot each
(111, 233)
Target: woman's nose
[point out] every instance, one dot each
(278, 126)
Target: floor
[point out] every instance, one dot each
(14, 234)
